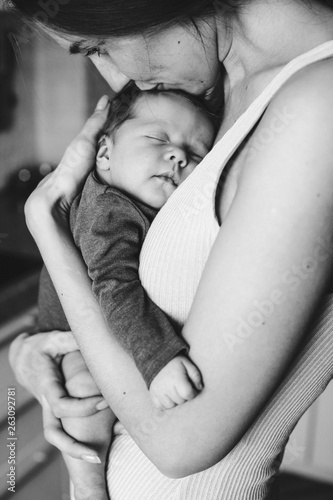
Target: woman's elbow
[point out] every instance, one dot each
(180, 447)
(187, 459)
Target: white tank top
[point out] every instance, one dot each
(181, 236)
(172, 260)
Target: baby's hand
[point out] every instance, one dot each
(178, 382)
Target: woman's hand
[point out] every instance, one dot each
(35, 361)
(57, 191)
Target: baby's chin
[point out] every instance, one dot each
(162, 193)
(157, 201)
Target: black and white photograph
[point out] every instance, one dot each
(166, 249)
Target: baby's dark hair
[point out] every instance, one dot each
(123, 105)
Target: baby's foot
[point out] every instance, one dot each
(178, 381)
(88, 480)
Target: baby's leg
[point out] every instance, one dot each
(96, 430)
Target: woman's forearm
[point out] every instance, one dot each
(253, 254)
(112, 368)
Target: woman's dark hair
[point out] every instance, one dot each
(124, 18)
(122, 106)
(113, 18)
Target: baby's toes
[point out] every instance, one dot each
(186, 390)
(166, 402)
(193, 374)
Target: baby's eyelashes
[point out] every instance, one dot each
(196, 156)
(160, 139)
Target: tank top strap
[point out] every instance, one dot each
(209, 170)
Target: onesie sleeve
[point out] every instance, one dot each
(110, 245)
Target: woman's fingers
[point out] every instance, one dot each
(79, 157)
(34, 358)
(56, 436)
(95, 123)
(59, 189)
(35, 361)
(59, 343)
(64, 406)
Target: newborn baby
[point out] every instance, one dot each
(152, 142)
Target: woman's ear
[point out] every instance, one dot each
(103, 154)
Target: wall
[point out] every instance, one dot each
(51, 108)
(310, 448)
(17, 145)
(59, 99)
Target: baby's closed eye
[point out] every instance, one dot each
(157, 138)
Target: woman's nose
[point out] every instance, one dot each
(145, 85)
(178, 156)
(111, 74)
(117, 80)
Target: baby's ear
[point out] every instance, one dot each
(103, 154)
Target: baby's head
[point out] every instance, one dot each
(152, 141)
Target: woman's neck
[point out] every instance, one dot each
(267, 35)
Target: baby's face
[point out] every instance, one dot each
(158, 149)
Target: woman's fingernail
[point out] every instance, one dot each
(102, 405)
(92, 459)
(102, 103)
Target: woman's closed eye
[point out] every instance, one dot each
(91, 51)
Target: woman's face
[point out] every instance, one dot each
(178, 57)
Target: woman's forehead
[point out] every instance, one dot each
(142, 44)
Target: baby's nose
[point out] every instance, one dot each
(178, 156)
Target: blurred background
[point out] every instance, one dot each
(45, 97)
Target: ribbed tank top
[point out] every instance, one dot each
(179, 241)
(172, 260)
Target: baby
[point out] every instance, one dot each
(152, 142)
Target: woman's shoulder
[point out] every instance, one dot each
(292, 143)
(308, 92)
(297, 126)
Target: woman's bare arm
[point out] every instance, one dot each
(275, 226)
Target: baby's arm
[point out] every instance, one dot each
(110, 245)
(88, 479)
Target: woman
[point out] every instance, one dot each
(262, 286)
